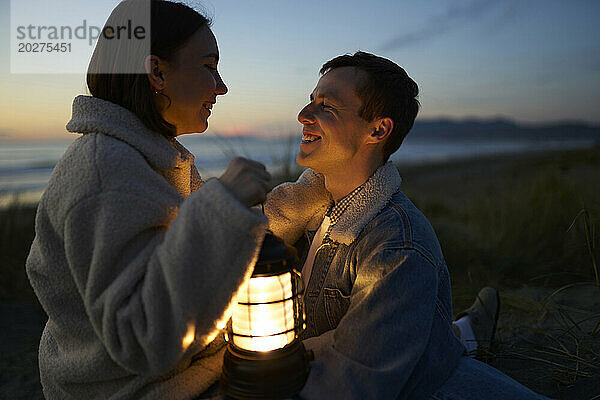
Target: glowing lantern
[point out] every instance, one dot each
(264, 358)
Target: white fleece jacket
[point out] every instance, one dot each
(134, 266)
(294, 207)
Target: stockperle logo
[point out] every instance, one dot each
(61, 36)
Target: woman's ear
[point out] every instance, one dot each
(382, 129)
(153, 68)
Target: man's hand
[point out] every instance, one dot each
(247, 180)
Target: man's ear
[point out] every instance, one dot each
(153, 68)
(382, 129)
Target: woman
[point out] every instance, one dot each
(135, 258)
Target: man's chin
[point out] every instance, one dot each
(302, 159)
(307, 162)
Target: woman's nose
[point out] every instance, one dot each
(221, 88)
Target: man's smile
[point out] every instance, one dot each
(308, 137)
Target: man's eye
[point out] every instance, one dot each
(211, 67)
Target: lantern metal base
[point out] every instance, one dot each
(277, 374)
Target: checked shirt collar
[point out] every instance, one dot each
(335, 211)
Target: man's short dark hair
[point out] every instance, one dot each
(387, 91)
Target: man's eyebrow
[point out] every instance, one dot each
(329, 95)
(214, 55)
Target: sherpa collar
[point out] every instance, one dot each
(94, 115)
(377, 192)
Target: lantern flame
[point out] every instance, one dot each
(267, 326)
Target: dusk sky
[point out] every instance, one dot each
(532, 61)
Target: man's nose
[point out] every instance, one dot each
(306, 116)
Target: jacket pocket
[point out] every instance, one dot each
(336, 305)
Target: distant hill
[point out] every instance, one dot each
(502, 129)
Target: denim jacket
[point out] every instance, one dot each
(378, 302)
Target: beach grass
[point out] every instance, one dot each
(17, 220)
(515, 220)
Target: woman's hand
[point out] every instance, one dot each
(247, 180)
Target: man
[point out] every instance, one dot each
(377, 297)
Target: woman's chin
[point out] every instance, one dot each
(195, 128)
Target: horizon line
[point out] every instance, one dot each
(10, 137)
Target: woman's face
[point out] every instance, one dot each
(192, 84)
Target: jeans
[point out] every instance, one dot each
(476, 380)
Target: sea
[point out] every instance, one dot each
(25, 167)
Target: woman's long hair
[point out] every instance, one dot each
(116, 71)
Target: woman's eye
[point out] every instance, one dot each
(211, 67)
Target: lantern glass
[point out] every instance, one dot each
(265, 358)
(263, 316)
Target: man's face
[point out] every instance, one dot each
(333, 132)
